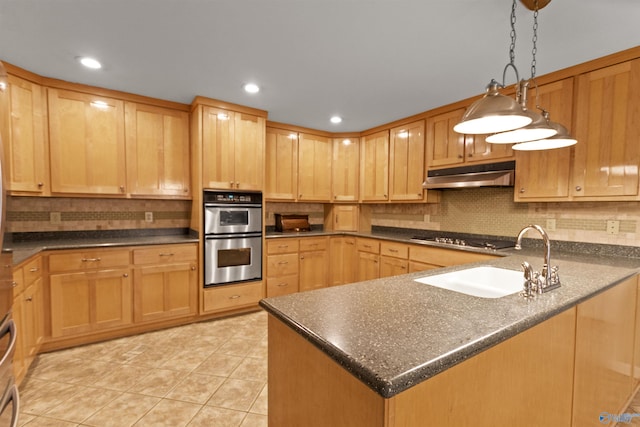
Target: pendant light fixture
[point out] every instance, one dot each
(496, 112)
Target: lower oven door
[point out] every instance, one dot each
(232, 258)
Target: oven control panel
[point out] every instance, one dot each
(229, 197)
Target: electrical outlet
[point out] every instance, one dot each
(55, 218)
(148, 216)
(551, 224)
(613, 227)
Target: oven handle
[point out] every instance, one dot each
(232, 236)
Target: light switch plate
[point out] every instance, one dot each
(148, 216)
(551, 224)
(55, 218)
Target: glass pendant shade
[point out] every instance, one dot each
(4, 82)
(561, 139)
(492, 113)
(539, 128)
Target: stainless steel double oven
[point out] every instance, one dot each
(233, 237)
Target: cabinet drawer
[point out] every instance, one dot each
(232, 296)
(282, 265)
(282, 246)
(87, 260)
(368, 245)
(165, 254)
(314, 244)
(445, 257)
(32, 271)
(284, 285)
(394, 249)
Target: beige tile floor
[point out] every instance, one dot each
(205, 374)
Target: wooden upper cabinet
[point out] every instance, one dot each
(232, 149)
(26, 168)
(545, 174)
(374, 167)
(157, 141)
(607, 155)
(406, 159)
(87, 143)
(444, 146)
(314, 168)
(345, 169)
(448, 148)
(281, 174)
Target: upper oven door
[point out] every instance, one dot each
(223, 219)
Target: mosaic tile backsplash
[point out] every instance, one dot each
(490, 211)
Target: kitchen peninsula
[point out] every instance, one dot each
(394, 352)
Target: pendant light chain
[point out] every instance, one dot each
(534, 50)
(512, 46)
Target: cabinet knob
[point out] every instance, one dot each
(14, 284)
(301, 256)
(33, 270)
(41, 184)
(384, 195)
(231, 184)
(122, 188)
(522, 190)
(460, 156)
(186, 190)
(578, 188)
(193, 268)
(28, 299)
(300, 196)
(125, 275)
(470, 155)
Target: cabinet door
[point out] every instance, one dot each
(157, 141)
(26, 165)
(349, 260)
(86, 143)
(217, 148)
(406, 158)
(314, 168)
(368, 266)
(281, 176)
(88, 302)
(33, 319)
(604, 353)
(374, 167)
(607, 156)
(313, 268)
(165, 291)
(249, 151)
(390, 266)
(345, 217)
(444, 146)
(345, 169)
(545, 174)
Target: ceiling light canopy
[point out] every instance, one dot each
(89, 62)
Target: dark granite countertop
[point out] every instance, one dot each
(25, 248)
(394, 333)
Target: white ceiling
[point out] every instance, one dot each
(370, 61)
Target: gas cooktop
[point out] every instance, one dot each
(490, 244)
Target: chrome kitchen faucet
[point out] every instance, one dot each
(538, 282)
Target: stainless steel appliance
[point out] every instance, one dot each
(9, 397)
(233, 237)
(453, 241)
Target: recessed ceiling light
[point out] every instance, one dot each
(251, 88)
(90, 62)
(336, 119)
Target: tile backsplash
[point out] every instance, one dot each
(29, 214)
(480, 210)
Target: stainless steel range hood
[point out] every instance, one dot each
(486, 175)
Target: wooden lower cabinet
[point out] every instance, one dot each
(314, 263)
(282, 267)
(343, 260)
(524, 381)
(165, 282)
(390, 266)
(85, 302)
(605, 337)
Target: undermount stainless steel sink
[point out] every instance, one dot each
(483, 282)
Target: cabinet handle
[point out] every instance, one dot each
(33, 270)
(125, 275)
(283, 284)
(367, 246)
(403, 267)
(283, 246)
(578, 188)
(28, 299)
(122, 188)
(237, 185)
(231, 184)
(350, 243)
(14, 284)
(393, 250)
(283, 262)
(522, 190)
(41, 184)
(166, 254)
(234, 297)
(91, 259)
